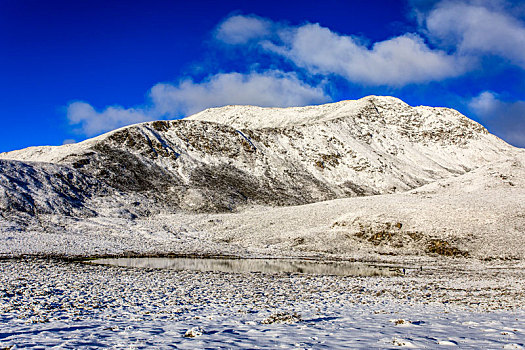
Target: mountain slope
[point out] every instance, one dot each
(287, 156)
(138, 188)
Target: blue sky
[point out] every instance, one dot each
(74, 69)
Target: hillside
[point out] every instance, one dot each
(236, 158)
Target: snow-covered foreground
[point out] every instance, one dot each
(372, 180)
(70, 305)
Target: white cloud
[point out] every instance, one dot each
(92, 122)
(478, 28)
(485, 104)
(242, 29)
(271, 89)
(68, 141)
(505, 119)
(395, 62)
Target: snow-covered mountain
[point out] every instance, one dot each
(225, 157)
(229, 158)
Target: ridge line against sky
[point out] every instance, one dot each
(466, 55)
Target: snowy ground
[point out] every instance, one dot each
(50, 303)
(465, 227)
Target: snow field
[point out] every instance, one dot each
(49, 304)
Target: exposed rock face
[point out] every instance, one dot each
(225, 157)
(32, 188)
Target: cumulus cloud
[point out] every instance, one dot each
(242, 29)
(395, 62)
(505, 119)
(270, 89)
(92, 122)
(478, 28)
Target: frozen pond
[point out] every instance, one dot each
(336, 268)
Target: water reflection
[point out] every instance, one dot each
(254, 265)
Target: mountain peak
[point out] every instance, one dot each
(244, 116)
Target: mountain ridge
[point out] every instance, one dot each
(348, 148)
(372, 146)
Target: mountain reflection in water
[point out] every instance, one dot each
(253, 265)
